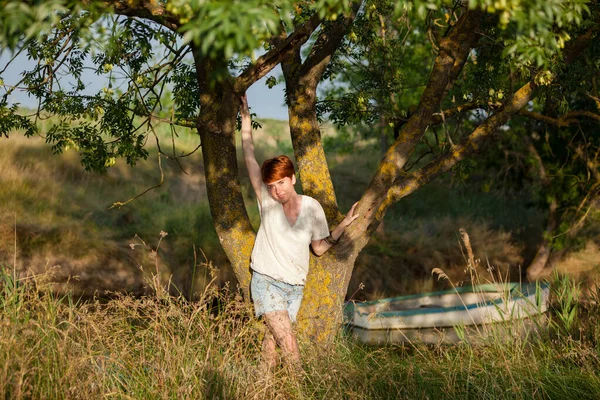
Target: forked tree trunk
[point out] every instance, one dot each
(329, 276)
(334, 270)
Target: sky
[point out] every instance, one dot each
(265, 102)
(268, 103)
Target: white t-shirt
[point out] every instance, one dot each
(282, 251)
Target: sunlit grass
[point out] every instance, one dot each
(157, 346)
(61, 217)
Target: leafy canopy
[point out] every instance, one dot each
(144, 55)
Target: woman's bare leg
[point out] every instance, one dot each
(269, 350)
(280, 326)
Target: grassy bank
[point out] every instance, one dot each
(56, 217)
(157, 347)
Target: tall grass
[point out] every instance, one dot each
(159, 346)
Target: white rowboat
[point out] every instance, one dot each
(463, 306)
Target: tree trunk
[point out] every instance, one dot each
(216, 125)
(546, 258)
(535, 270)
(326, 286)
(328, 277)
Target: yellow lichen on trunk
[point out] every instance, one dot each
(216, 125)
(309, 154)
(320, 315)
(321, 311)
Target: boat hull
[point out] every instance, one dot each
(477, 305)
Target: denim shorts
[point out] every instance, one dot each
(270, 295)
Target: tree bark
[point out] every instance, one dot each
(542, 256)
(216, 125)
(328, 276)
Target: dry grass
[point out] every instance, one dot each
(158, 346)
(60, 218)
(584, 262)
(410, 256)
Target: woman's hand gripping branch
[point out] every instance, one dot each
(321, 246)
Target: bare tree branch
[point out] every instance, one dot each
(283, 49)
(471, 144)
(562, 121)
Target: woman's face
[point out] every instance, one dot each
(281, 190)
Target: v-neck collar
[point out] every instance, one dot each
(292, 226)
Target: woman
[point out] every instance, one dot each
(290, 224)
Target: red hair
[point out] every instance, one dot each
(277, 168)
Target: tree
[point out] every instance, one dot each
(483, 88)
(206, 93)
(562, 149)
(207, 87)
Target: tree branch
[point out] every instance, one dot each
(272, 58)
(565, 120)
(440, 117)
(473, 143)
(453, 53)
(592, 165)
(328, 41)
(574, 49)
(417, 179)
(153, 10)
(302, 80)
